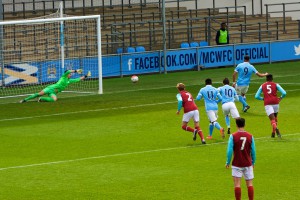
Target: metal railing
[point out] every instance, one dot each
(282, 10)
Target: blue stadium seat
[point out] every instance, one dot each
(119, 50)
(194, 44)
(140, 49)
(203, 43)
(130, 49)
(184, 45)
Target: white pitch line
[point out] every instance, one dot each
(124, 154)
(85, 111)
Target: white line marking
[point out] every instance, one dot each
(85, 111)
(126, 154)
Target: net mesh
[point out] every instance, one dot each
(31, 55)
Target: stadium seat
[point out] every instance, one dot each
(119, 50)
(184, 45)
(140, 49)
(194, 44)
(130, 49)
(203, 43)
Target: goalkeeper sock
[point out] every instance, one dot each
(237, 193)
(46, 99)
(32, 97)
(251, 192)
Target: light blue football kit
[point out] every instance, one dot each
(210, 95)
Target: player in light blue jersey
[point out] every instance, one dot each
(244, 71)
(229, 95)
(211, 98)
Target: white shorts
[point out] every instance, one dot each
(240, 171)
(189, 115)
(212, 115)
(230, 107)
(241, 89)
(270, 109)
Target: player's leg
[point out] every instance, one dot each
(33, 96)
(249, 175)
(51, 98)
(234, 112)
(276, 110)
(211, 117)
(216, 124)
(270, 112)
(197, 130)
(226, 111)
(237, 175)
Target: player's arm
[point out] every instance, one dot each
(281, 90)
(258, 93)
(199, 96)
(179, 104)
(261, 75)
(253, 151)
(219, 97)
(229, 150)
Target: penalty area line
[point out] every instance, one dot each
(127, 154)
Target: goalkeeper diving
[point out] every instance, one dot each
(59, 86)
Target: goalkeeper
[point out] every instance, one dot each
(54, 89)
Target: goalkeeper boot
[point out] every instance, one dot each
(195, 134)
(23, 101)
(39, 100)
(278, 133)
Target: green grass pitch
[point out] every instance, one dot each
(128, 143)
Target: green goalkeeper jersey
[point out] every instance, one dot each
(63, 82)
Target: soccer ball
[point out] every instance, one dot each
(134, 78)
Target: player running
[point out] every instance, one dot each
(228, 94)
(54, 89)
(186, 101)
(244, 71)
(271, 101)
(210, 95)
(241, 144)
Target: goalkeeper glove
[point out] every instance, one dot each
(79, 71)
(88, 74)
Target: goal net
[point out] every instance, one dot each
(35, 53)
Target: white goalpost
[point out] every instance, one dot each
(35, 53)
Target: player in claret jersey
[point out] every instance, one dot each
(271, 101)
(185, 100)
(242, 145)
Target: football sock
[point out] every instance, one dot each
(217, 125)
(32, 97)
(211, 128)
(47, 99)
(238, 193)
(187, 128)
(242, 100)
(251, 192)
(200, 132)
(274, 125)
(227, 120)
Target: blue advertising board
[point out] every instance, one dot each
(153, 62)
